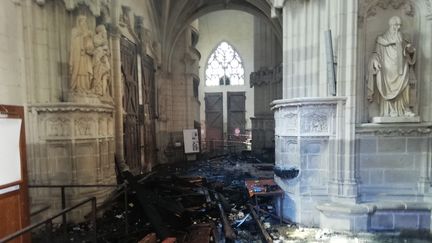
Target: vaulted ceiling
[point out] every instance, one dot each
(174, 17)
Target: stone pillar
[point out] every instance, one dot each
(267, 84)
(347, 76)
(314, 131)
(118, 83)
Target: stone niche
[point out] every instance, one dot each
(305, 132)
(373, 21)
(75, 146)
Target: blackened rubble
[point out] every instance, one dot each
(202, 201)
(180, 201)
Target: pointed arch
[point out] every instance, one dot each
(224, 66)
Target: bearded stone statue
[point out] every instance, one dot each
(390, 68)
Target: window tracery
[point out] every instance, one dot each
(224, 67)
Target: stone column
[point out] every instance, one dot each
(118, 85)
(267, 83)
(346, 73)
(315, 131)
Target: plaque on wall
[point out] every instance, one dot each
(191, 141)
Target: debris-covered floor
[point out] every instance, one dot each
(198, 202)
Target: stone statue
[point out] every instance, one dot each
(80, 61)
(101, 65)
(391, 69)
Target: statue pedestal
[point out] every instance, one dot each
(75, 145)
(81, 98)
(399, 119)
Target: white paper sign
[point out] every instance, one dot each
(10, 162)
(191, 141)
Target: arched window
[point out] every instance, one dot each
(224, 67)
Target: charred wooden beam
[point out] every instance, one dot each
(229, 232)
(264, 232)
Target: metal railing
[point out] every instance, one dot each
(223, 146)
(49, 225)
(122, 189)
(63, 192)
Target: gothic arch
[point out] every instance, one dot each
(178, 17)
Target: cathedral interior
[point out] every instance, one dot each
(215, 121)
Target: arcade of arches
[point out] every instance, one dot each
(111, 85)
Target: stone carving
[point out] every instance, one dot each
(80, 61)
(110, 127)
(314, 123)
(67, 107)
(396, 4)
(390, 70)
(265, 76)
(94, 5)
(369, 8)
(404, 132)
(103, 129)
(411, 129)
(89, 63)
(125, 16)
(101, 65)
(289, 145)
(290, 120)
(83, 127)
(57, 127)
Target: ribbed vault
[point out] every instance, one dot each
(174, 16)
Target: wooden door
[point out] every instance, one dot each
(236, 116)
(149, 106)
(14, 206)
(214, 116)
(131, 125)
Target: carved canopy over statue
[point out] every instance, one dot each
(390, 68)
(89, 60)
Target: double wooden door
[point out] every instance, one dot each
(236, 119)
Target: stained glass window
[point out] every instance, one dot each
(224, 67)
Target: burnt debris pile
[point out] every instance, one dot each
(202, 201)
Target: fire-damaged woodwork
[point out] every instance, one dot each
(205, 201)
(264, 232)
(148, 201)
(131, 121)
(148, 116)
(229, 232)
